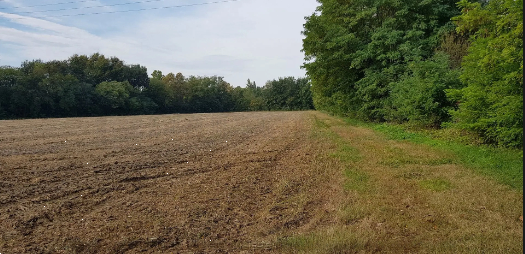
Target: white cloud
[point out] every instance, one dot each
(255, 39)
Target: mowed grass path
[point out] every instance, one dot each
(403, 197)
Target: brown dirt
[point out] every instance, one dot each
(202, 183)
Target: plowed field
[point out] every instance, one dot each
(202, 183)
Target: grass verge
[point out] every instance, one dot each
(408, 197)
(502, 164)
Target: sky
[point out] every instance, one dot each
(259, 40)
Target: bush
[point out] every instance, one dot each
(491, 103)
(420, 97)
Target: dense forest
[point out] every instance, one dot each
(433, 63)
(98, 86)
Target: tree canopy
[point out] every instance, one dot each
(491, 101)
(426, 62)
(96, 85)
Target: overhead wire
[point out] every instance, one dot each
(40, 5)
(123, 11)
(87, 7)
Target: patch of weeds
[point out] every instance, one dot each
(477, 242)
(322, 130)
(352, 213)
(405, 159)
(340, 241)
(436, 184)
(455, 135)
(395, 132)
(441, 161)
(320, 123)
(400, 161)
(356, 180)
(298, 243)
(412, 175)
(397, 162)
(504, 165)
(346, 153)
(355, 122)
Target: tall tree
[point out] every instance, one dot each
(491, 102)
(8, 80)
(114, 96)
(158, 92)
(354, 50)
(288, 94)
(419, 97)
(157, 75)
(136, 75)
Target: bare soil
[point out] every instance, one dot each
(201, 183)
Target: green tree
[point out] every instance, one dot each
(491, 103)
(254, 95)
(97, 85)
(157, 75)
(142, 105)
(241, 102)
(62, 91)
(178, 90)
(8, 80)
(288, 94)
(209, 94)
(87, 103)
(354, 50)
(420, 95)
(78, 67)
(136, 75)
(159, 94)
(114, 96)
(29, 98)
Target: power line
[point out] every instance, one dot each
(40, 5)
(86, 7)
(124, 11)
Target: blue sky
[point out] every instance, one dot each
(256, 39)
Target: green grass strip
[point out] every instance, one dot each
(502, 164)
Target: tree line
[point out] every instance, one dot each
(434, 63)
(99, 86)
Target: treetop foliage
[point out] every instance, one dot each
(491, 101)
(96, 85)
(426, 62)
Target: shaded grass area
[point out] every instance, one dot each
(502, 164)
(409, 197)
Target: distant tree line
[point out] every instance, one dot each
(98, 86)
(435, 63)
